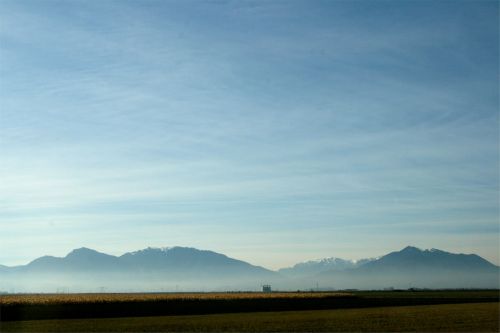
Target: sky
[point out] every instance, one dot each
(271, 131)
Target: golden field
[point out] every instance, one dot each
(138, 297)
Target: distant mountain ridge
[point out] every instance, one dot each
(78, 259)
(147, 269)
(153, 259)
(311, 267)
(413, 267)
(415, 258)
(185, 268)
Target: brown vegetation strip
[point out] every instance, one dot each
(31, 307)
(33, 299)
(474, 317)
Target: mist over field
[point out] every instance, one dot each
(180, 269)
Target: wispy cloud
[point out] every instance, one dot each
(281, 124)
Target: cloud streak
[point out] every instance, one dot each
(251, 119)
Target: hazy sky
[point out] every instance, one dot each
(271, 131)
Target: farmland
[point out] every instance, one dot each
(34, 299)
(66, 306)
(472, 317)
(281, 311)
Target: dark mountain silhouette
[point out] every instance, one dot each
(314, 267)
(189, 269)
(151, 259)
(185, 260)
(148, 269)
(412, 258)
(82, 259)
(412, 267)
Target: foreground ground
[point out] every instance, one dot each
(80, 306)
(472, 317)
(413, 310)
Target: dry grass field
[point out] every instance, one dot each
(473, 317)
(35, 299)
(66, 306)
(448, 310)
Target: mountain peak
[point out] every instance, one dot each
(318, 266)
(429, 259)
(84, 249)
(433, 250)
(412, 249)
(155, 249)
(83, 252)
(161, 251)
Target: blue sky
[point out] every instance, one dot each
(271, 131)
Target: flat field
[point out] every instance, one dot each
(74, 306)
(33, 299)
(450, 310)
(472, 317)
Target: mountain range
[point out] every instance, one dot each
(150, 269)
(171, 261)
(189, 269)
(415, 268)
(314, 267)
